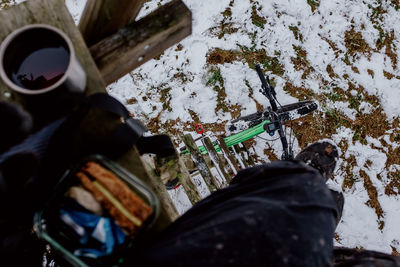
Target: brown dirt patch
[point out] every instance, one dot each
(371, 73)
(251, 95)
(343, 145)
(220, 56)
(251, 57)
(194, 116)
(349, 178)
(270, 153)
(374, 124)
(331, 72)
(224, 28)
(235, 111)
(165, 98)
(390, 49)
(388, 75)
(393, 188)
(4, 4)
(179, 47)
(300, 62)
(355, 70)
(395, 252)
(355, 43)
(393, 156)
(256, 19)
(296, 32)
(299, 92)
(314, 4)
(332, 45)
(317, 126)
(227, 12)
(373, 201)
(154, 124)
(182, 77)
(131, 101)
(337, 238)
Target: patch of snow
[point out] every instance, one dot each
(75, 8)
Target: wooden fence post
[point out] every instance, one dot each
(249, 158)
(199, 161)
(240, 152)
(102, 18)
(231, 157)
(159, 187)
(219, 165)
(142, 40)
(173, 167)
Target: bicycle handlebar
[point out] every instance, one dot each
(267, 88)
(261, 75)
(268, 91)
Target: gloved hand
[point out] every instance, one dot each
(17, 244)
(17, 168)
(15, 123)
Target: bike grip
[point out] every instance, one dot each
(261, 75)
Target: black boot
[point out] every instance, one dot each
(321, 156)
(339, 200)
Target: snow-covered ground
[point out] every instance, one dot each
(348, 49)
(344, 54)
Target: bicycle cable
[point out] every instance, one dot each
(291, 141)
(265, 139)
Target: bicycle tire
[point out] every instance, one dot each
(285, 113)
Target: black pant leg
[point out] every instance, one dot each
(280, 214)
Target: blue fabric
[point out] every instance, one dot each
(90, 226)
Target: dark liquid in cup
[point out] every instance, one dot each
(42, 68)
(36, 59)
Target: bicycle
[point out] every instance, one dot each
(268, 120)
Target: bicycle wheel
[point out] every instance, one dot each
(286, 112)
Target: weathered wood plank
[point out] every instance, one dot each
(199, 161)
(240, 152)
(189, 164)
(173, 167)
(102, 18)
(228, 153)
(250, 160)
(168, 206)
(56, 14)
(142, 40)
(215, 158)
(189, 185)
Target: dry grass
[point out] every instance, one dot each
(256, 19)
(251, 57)
(300, 62)
(395, 252)
(270, 153)
(373, 201)
(6, 3)
(314, 4)
(355, 43)
(300, 93)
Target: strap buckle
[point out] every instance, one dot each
(136, 126)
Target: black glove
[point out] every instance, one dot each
(15, 123)
(17, 243)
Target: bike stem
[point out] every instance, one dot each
(268, 90)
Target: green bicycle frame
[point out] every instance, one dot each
(236, 138)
